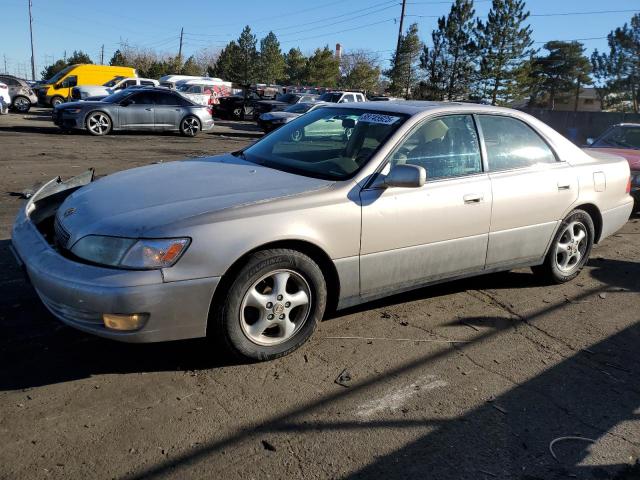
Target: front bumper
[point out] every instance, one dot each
(78, 294)
(66, 120)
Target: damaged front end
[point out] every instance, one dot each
(43, 205)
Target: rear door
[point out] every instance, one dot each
(167, 108)
(531, 190)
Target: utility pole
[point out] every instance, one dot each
(5, 63)
(102, 55)
(33, 56)
(180, 50)
(404, 3)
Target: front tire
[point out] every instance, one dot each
(272, 306)
(570, 248)
(190, 126)
(21, 104)
(98, 124)
(55, 101)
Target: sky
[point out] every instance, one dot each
(67, 25)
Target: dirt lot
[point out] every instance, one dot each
(535, 363)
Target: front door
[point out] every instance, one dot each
(412, 236)
(137, 113)
(531, 190)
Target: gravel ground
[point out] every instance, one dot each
(534, 363)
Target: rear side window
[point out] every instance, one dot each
(165, 99)
(512, 144)
(142, 98)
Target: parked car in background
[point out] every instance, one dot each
(342, 97)
(624, 140)
(382, 98)
(272, 120)
(5, 99)
(204, 92)
(112, 86)
(238, 106)
(281, 102)
(148, 108)
(251, 247)
(21, 93)
(57, 89)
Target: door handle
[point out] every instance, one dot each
(473, 198)
(564, 186)
(149, 109)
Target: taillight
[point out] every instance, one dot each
(210, 110)
(629, 185)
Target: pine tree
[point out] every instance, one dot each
(449, 63)
(191, 67)
(118, 59)
(226, 67)
(503, 46)
(271, 60)
(247, 62)
(323, 68)
(563, 71)
(295, 67)
(618, 72)
(404, 64)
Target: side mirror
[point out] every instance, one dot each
(348, 123)
(590, 141)
(58, 86)
(407, 176)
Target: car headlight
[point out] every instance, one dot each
(138, 254)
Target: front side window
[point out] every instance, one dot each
(512, 144)
(326, 143)
(142, 98)
(112, 82)
(445, 147)
(164, 99)
(69, 82)
(620, 137)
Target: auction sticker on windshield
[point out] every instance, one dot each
(378, 118)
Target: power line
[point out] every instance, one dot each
(341, 31)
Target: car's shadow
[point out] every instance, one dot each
(39, 350)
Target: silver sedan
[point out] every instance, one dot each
(150, 109)
(251, 248)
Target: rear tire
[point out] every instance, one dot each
(190, 126)
(21, 104)
(272, 305)
(569, 250)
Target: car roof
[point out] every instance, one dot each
(415, 107)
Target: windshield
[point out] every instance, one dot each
(330, 97)
(60, 74)
(117, 97)
(299, 108)
(327, 143)
(113, 81)
(621, 137)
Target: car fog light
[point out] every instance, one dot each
(134, 321)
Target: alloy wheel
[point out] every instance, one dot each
(22, 104)
(99, 124)
(275, 307)
(571, 247)
(190, 126)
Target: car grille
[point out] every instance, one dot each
(61, 235)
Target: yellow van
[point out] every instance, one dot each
(57, 89)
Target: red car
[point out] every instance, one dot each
(623, 140)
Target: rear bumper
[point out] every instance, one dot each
(78, 294)
(207, 125)
(614, 219)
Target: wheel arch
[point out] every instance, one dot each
(189, 115)
(596, 216)
(313, 251)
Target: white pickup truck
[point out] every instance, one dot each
(118, 83)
